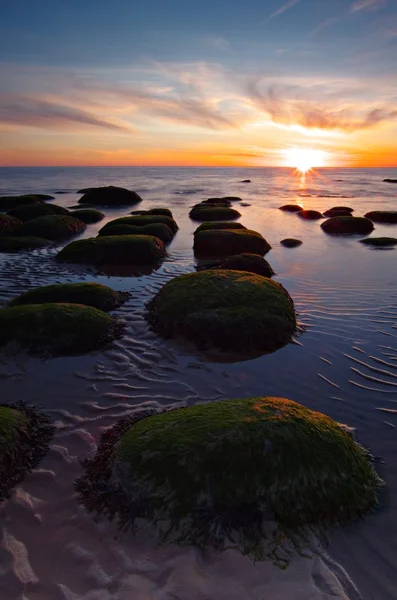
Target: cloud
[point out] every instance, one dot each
(283, 9)
(306, 113)
(218, 43)
(31, 112)
(367, 5)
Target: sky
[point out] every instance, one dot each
(187, 82)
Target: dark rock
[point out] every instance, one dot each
(294, 208)
(110, 196)
(347, 225)
(213, 213)
(291, 243)
(246, 181)
(310, 215)
(141, 221)
(338, 212)
(252, 263)
(88, 215)
(34, 211)
(53, 227)
(380, 242)
(159, 230)
(390, 180)
(226, 242)
(10, 202)
(21, 244)
(383, 216)
(218, 225)
(9, 225)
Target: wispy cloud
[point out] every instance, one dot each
(367, 5)
(283, 8)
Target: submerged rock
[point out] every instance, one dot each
(207, 225)
(20, 244)
(9, 225)
(88, 215)
(291, 242)
(310, 215)
(383, 216)
(34, 211)
(388, 180)
(255, 474)
(338, 211)
(114, 250)
(153, 211)
(110, 196)
(343, 225)
(252, 263)
(159, 230)
(142, 220)
(215, 202)
(53, 227)
(57, 329)
(201, 212)
(225, 242)
(90, 294)
(25, 433)
(228, 310)
(246, 181)
(380, 242)
(294, 208)
(10, 202)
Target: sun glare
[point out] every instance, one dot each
(304, 159)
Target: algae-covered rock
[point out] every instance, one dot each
(291, 243)
(10, 202)
(90, 294)
(225, 242)
(294, 208)
(141, 220)
(25, 433)
(9, 225)
(338, 211)
(153, 211)
(88, 215)
(201, 212)
(53, 227)
(256, 474)
(33, 211)
(218, 225)
(383, 216)
(110, 196)
(57, 329)
(234, 311)
(160, 230)
(215, 202)
(347, 225)
(380, 242)
(12, 244)
(252, 263)
(309, 215)
(114, 250)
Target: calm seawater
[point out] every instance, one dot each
(344, 364)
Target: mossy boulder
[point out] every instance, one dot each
(9, 225)
(110, 196)
(309, 215)
(53, 227)
(218, 225)
(201, 212)
(252, 263)
(42, 196)
(34, 211)
(57, 329)
(20, 244)
(257, 474)
(160, 230)
(10, 202)
(380, 242)
(153, 211)
(228, 310)
(225, 242)
(224, 199)
(216, 202)
(88, 215)
(294, 208)
(90, 294)
(142, 220)
(338, 211)
(383, 216)
(115, 250)
(291, 243)
(347, 225)
(25, 434)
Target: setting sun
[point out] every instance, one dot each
(304, 159)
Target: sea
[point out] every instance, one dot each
(343, 363)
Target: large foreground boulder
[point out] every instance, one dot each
(110, 196)
(228, 310)
(88, 215)
(160, 230)
(90, 294)
(53, 227)
(347, 225)
(25, 434)
(10, 202)
(33, 211)
(115, 250)
(225, 242)
(141, 221)
(383, 216)
(12, 244)
(57, 329)
(201, 212)
(256, 474)
(9, 225)
(218, 225)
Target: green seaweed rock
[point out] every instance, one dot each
(21, 244)
(10, 202)
(90, 294)
(347, 225)
(232, 311)
(25, 434)
(88, 215)
(109, 196)
(141, 221)
(34, 211)
(57, 329)
(159, 230)
(225, 242)
(218, 225)
(114, 250)
(53, 227)
(229, 473)
(202, 212)
(9, 225)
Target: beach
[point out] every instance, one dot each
(343, 363)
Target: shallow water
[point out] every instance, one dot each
(344, 364)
